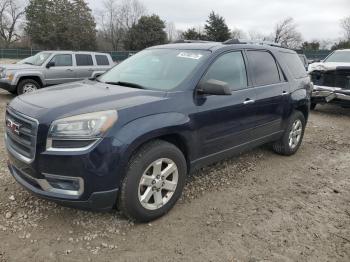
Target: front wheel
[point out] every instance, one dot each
(154, 182)
(27, 86)
(293, 136)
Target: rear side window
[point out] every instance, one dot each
(264, 68)
(229, 68)
(102, 60)
(62, 60)
(84, 60)
(294, 64)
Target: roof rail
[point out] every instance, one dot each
(240, 41)
(185, 41)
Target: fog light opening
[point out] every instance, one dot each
(72, 185)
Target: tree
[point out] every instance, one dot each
(61, 24)
(117, 18)
(238, 34)
(341, 45)
(286, 34)
(149, 31)
(216, 28)
(257, 36)
(311, 46)
(10, 15)
(345, 24)
(192, 34)
(83, 26)
(172, 33)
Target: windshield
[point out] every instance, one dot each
(339, 57)
(37, 59)
(159, 69)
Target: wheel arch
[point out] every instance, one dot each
(170, 127)
(32, 77)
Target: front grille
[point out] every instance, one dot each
(336, 78)
(21, 133)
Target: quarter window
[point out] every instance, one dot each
(84, 60)
(62, 60)
(294, 64)
(102, 60)
(264, 68)
(229, 68)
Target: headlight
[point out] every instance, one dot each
(80, 131)
(6, 75)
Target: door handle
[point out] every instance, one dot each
(248, 101)
(284, 93)
(91, 70)
(71, 70)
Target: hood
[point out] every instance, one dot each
(18, 67)
(327, 66)
(83, 97)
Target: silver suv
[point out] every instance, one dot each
(52, 68)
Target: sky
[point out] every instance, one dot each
(315, 19)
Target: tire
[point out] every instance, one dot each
(142, 181)
(284, 145)
(27, 86)
(313, 106)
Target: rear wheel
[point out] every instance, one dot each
(293, 136)
(154, 182)
(27, 86)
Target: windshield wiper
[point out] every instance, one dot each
(127, 84)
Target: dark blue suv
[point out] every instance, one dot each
(129, 138)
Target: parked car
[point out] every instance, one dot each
(52, 68)
(130, 137)
(331, 78)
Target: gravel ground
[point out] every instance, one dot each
(256, 207)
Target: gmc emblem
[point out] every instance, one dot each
(12, 126)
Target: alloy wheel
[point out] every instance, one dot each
(158, 184)
(28, 88)
(295, 134)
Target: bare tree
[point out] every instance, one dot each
(345, 24)
(130, 12)
(10, 13)
(286, 33)
(111, 25)
(117, 17)
(256, 36)
(237, 33)
(172, 32)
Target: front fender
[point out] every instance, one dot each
(135, 133)
(19, 75)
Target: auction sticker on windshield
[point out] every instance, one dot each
(195, 56)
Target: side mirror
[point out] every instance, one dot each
(214, 87)
(50, 64)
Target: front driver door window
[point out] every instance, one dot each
(61, 71)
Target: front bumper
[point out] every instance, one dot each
(7, 85)
(326, 94)
(99, 201)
